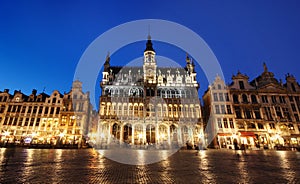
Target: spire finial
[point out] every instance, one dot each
(149, 37)
(188, 60)
(107, 59)
(265, 67)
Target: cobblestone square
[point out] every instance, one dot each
(185, 166)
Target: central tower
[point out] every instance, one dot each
(149, 65)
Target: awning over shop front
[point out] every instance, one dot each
(247, 134)
(224, 134)
(295, 135)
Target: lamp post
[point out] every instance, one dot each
(200, 140)
(61, 135)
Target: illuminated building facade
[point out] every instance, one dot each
(45, 119)
(149, 105)
(263, 113)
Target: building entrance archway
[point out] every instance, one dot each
(150, 134)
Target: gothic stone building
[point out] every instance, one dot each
(45, 119)
(263, 113)
(149, 105)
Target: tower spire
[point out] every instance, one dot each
(149, 44)
(149, 37)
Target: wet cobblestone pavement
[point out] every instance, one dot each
(88, 166)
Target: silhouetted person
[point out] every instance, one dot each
(235, 144)
(243, 148)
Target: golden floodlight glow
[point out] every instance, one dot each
(6, 133)
(140, 136)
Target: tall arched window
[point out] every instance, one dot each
(253, 99)
(235, 98)
(245, 99)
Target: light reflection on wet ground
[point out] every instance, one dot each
(88, 166)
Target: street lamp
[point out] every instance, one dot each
(6, 133)
(61, 135)
(200, 141)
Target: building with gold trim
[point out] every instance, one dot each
(45, 119)
(149, 106)
(263, 113)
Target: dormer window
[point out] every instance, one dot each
(241, 83)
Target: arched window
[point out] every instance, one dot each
(172, 93)
(245, 99)
(253, 99)
(164, 94)
(136, 110)
(106, 91)
(185, 130)
(116, 131)
(235, 98)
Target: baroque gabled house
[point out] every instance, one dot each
(56, 119)
(149, 105)
(219, 117)
(265, 112)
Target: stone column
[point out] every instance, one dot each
(191, 135)
(156, 135)
(121, 134)
(169, 137)
(179, 136)
(144, 134)
(108, 133)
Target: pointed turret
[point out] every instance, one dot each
(107, 64)
(187, 59)
(189, 64)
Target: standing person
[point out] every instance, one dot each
(243, 148)
(235, 143)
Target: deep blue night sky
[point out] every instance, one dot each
(41, 42)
